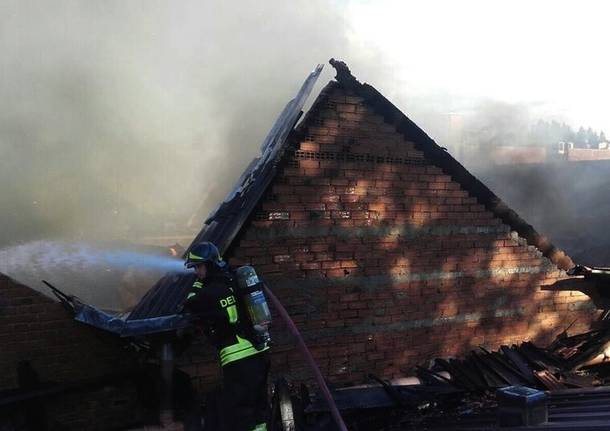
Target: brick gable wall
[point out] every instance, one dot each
(38, 330)
(384, 262)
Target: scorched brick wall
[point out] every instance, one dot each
(383, 261)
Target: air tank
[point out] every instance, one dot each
(254, 301)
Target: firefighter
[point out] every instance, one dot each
(213, 301)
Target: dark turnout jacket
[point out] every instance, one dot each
(214, 303)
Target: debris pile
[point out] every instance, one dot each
(525, 364)
(461, 393)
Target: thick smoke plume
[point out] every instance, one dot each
(123, 119)
(566, 201)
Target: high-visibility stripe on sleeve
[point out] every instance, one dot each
(197, 285)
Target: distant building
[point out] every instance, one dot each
(564, 147)
(587, 154)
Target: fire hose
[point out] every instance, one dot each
(308, 358)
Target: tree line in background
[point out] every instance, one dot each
(547, 133)
(501, 124)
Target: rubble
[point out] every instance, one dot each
(462, 393)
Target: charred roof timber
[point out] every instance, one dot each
(224, 223)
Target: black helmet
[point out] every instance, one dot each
(202, 253)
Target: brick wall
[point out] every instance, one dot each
(38, 330)
(384, 262)
(586, 154)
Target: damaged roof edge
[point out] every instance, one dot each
(225, 222)
(441, 158)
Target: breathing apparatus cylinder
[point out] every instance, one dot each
(255, 303)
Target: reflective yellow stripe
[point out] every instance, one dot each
(260, 427)
(194, 256)
(196, 285)
(232, 312)
(242, 349)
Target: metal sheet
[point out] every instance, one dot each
(129, 328)
(224, 223)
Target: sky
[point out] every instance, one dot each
(125, 119)
(549, 53)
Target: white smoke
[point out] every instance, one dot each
(123, 119)
(110, 276)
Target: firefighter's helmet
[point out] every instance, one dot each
(202, 253)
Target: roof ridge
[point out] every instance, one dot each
(441, 158)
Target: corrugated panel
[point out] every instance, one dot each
(164, 297)
(224, 223)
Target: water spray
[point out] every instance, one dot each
(49, 255)
(94, 272)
